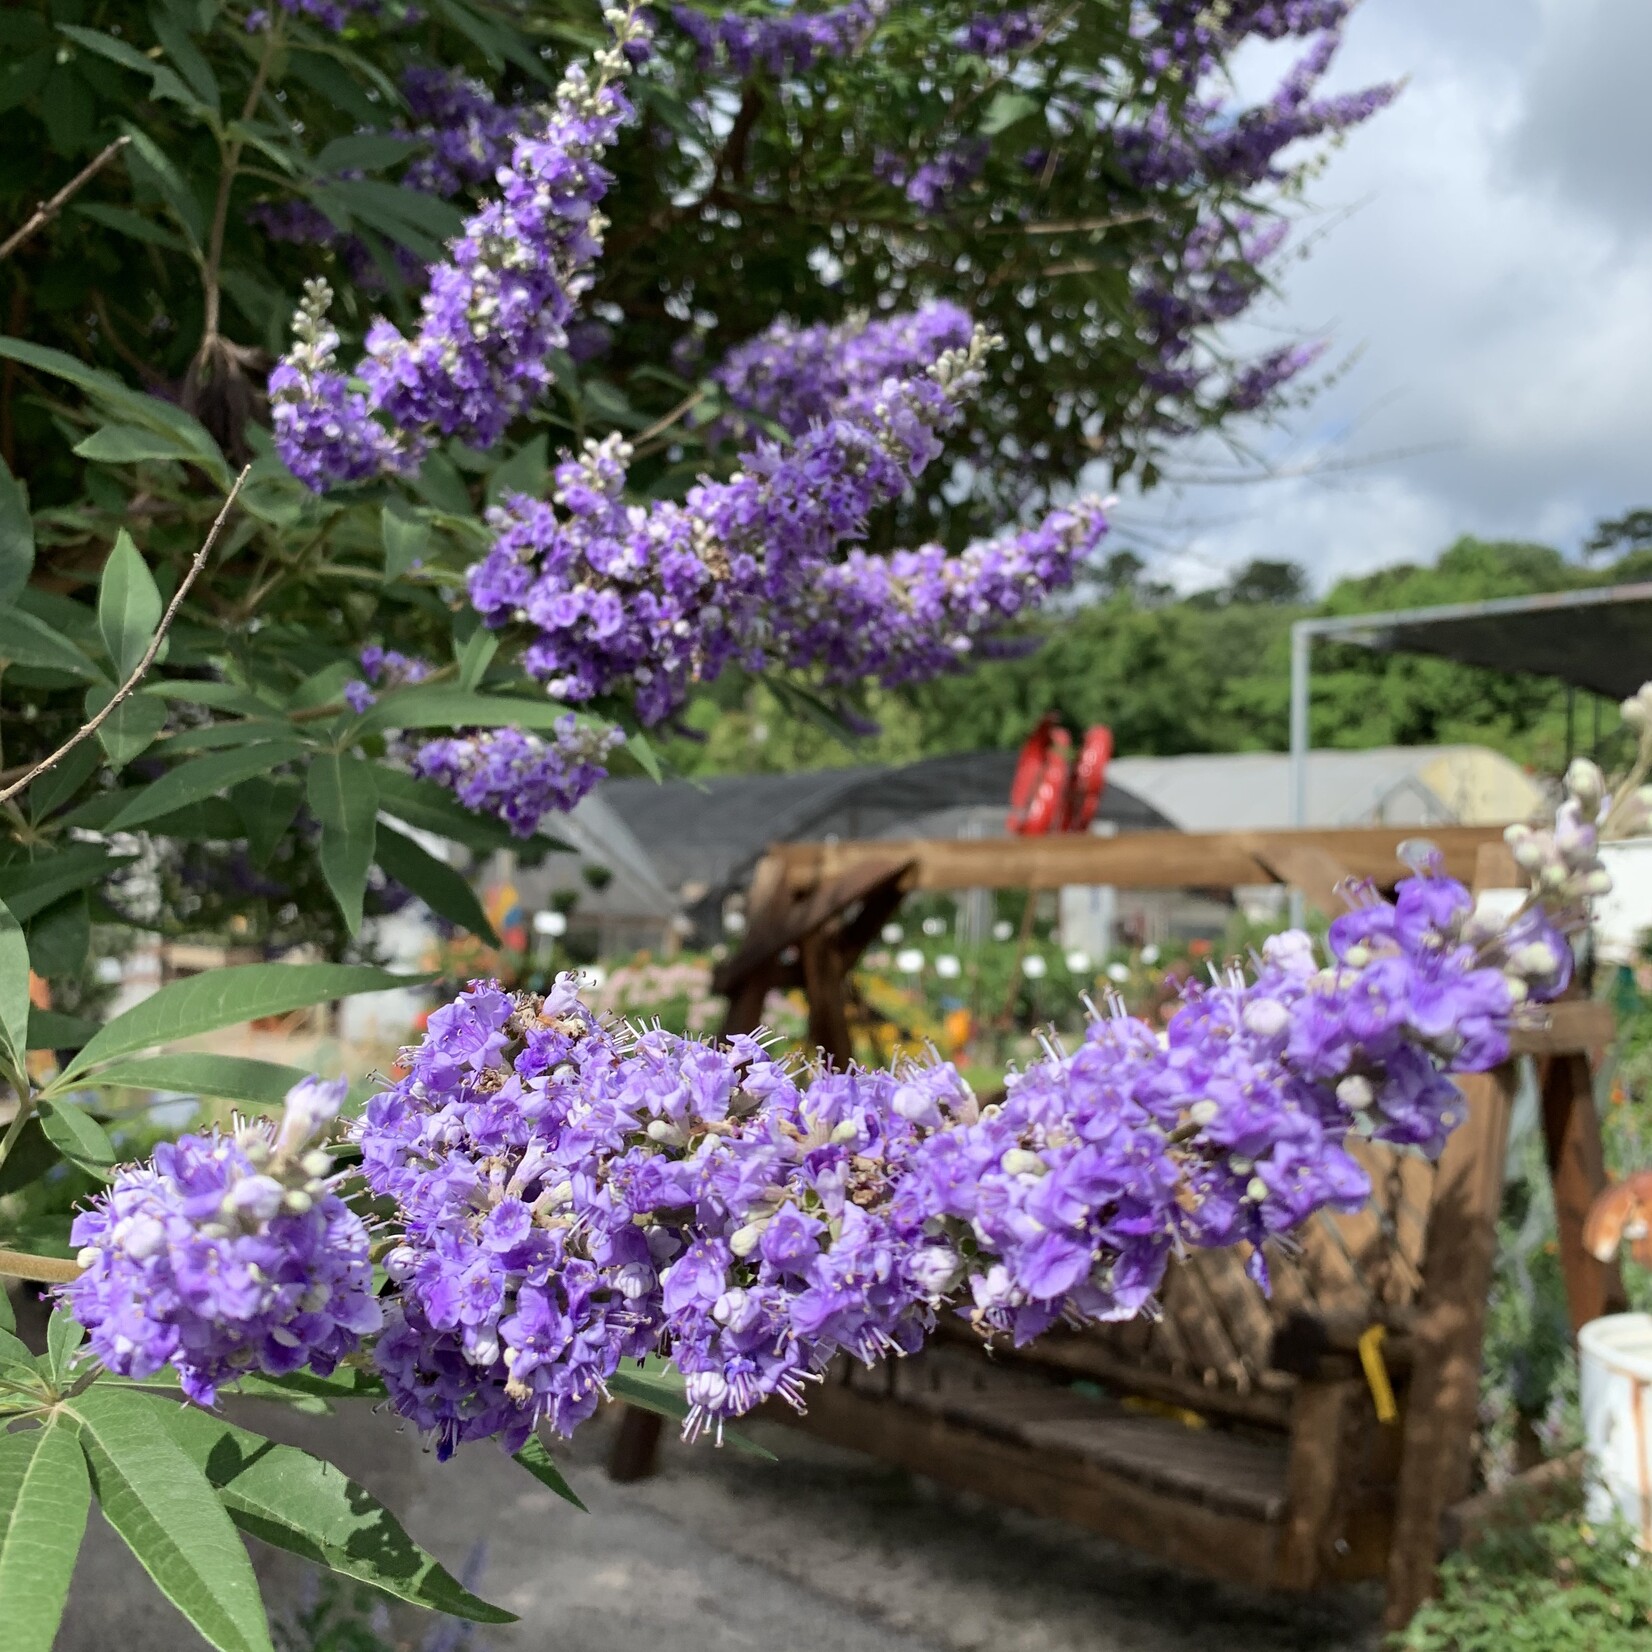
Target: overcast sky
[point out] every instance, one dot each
(1482, 263)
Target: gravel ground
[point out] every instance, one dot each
(824, 1551)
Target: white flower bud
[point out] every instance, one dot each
(1019, 1162)
(1203, 1112)
(1266, 1017)
(665, 1132)
(1256, 1190)
(847, 1130)
(1586, 783)
(745, 1240)
(1356, 1091)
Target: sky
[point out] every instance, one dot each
(1481, 261)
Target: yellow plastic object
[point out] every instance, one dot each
(1162, 1408)
(1376, 1373)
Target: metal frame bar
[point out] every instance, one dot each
(1366, 630)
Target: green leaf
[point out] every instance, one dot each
(163, 82)
(45, 1495)
(1005, 110)
(127, 405)
(30, 1158)
(647, 760)
(188, 59)
(227, 998)
(16, 537)
(77, 1136)
(367, 150)
(540, 1464)
(437, 884)
(59, 938)
(523, 472)
(475, 657)
(406, 539)
(52, 789)
(301, 1504)
(267, 809)
(64, 1335)
(14, 990)
(204, 777)
(127, 444)
(197, 1073)
(126, 222)
(24, 640)
(220, 696)
(130, 729)
(344, 798)
(431, 808)
(129, 606)
(30, 886)
(439, 705)
(659, 1388)
(49, 1030)
(164, 1508)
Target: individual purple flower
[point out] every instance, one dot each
(227, 1254)
(785, 44)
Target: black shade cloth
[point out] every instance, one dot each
(1599, 640)
(705, 836)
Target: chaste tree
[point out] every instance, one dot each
(403, 412)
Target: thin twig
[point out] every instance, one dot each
(48, 210)
(661, 425)
(88, 729)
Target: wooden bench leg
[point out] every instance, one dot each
(1316, 1477)
(636, 1451)
(1436, 1463)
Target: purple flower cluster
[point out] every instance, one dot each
(520, 777)
(915, 615)
(932, 184)
(227, 1254)
(653, 599)
(998, 33)
(469, 132)
(572, 1195)
(1204, 142)
(786, 44)
(1189, 38)
(798, 376)
(330, 14)
(382, 668)
(493, 312)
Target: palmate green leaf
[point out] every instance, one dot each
(45, 1495)
(199, 1073)
(299, 1503)
(59, 938)
(166, 1511)
(77, 1136)
(14, 991)
(225, 998)
(16, 536)
(344, 797)
(30, 1158)
(52, 789)
(542, 1466)
(129, 606)
(368, 150)
(25, 640)
(126, 222)
(187, 58)
(444, 890)
(659, 1388)
(220, 696)
(127, 406)
(476, 656)
(406, 539)
(205, 777)
(163, 82)
(8, 1319)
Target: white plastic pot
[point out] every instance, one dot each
(1615, 1371)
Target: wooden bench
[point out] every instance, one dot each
(1235, 1434)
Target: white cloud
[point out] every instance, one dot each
(1493, 277)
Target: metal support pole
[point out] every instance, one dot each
(1302, 633)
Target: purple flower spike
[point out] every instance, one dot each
(227, 1254)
